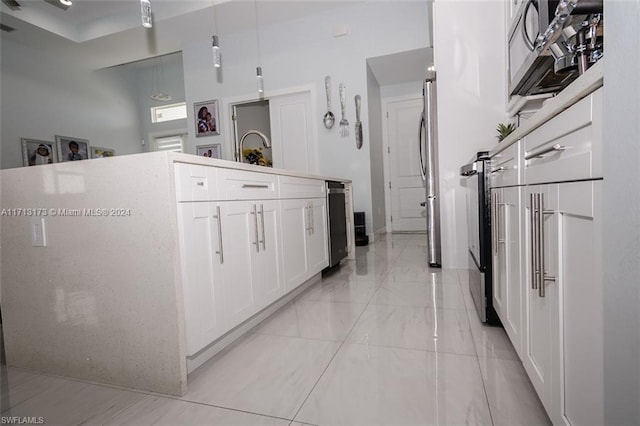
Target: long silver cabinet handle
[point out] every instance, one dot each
(542, 152)
(255, 222)
(313, 222)
(540, 245)
(248, 185)
(220, 248)
(307, 220)
(534, 235)
(494, 203)
(264, 240)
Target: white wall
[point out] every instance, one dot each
(621, 220)
(168, 76)
(43, 96)
(469, 57)
(302, 52)
(376, 153)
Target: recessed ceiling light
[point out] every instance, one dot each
(66, 2)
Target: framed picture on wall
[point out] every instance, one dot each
(72, 149)
(98, 152)
(211, 151)
(206, 118)
(35, 152)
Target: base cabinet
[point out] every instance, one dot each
(304, 239)
(241, 253)
(252, 263)
(205, 313)
(507, 213)
(564, 335)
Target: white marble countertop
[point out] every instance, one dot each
(226, 164)
(587, 83)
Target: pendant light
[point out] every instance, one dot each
(157, 82)
(215, 47)
(145, 11)
(259, 79)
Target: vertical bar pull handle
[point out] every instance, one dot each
(255, 222)
(541, 244)
(264, 239)
(533, 236)
(313, 222)
(494, 222)
(220, 248)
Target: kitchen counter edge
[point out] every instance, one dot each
(226, 164)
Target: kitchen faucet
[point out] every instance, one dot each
(265, 141)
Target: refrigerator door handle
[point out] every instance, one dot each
(423, 168)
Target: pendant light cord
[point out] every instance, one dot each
(255, 5)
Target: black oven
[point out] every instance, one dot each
(478, 194)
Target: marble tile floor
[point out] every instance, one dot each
(381, 340)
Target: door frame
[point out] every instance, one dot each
(386, 153)
(229, 102)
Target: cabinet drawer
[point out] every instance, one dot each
(506, 167)
(195, 183)
(243, 185)
(569, 145)
(295, 187)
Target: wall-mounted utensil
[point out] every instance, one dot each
(328, 118)
(358, 123)
(344, 124)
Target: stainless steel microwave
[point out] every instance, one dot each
(531, 68)
(529, 72)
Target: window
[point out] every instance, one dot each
(169, 143)
(164, 113)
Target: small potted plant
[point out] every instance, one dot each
(504, 130)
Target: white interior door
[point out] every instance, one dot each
(292, 133)
(407, 189)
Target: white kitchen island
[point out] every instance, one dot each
(130, 282)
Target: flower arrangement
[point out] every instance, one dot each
(255, 156)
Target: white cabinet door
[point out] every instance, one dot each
(579, 398)
(203, 278)
(541, 325)
(498, 254)
(265, 262)
(292, 135)
(240, 235)
(513, 301)
(295, 231)
(317, 240)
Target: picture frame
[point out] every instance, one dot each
(31, 151)
(205, 125)
(99, 152)
(211, 151)
(65, 144)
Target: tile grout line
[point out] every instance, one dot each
(473, 340)
(337, 350)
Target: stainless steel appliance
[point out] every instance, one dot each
(428, 150)
(337, 222)
(547, 42)
(479, 228)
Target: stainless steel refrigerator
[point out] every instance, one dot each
(429, 168)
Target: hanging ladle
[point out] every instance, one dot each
(328, 118)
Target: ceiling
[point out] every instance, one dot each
(104, 33)
(401, 67)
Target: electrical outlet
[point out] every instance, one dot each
(38, 235)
